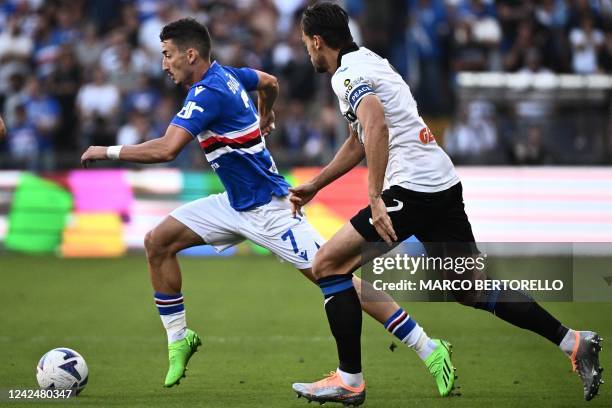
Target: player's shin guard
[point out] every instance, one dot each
(522, 311)
(344, 315)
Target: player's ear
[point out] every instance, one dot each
(317, 42)
(192, 55)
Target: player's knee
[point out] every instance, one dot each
(323, 264)
(154, 246)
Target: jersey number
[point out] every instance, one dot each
(289, 235)
(245, 98)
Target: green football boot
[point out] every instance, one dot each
(441, 367)
(179, 353)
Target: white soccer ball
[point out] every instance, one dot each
(62, 369)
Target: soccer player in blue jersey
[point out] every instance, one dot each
(220, 115)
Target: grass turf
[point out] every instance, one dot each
(263, 327)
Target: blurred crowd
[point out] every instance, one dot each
(80, 72)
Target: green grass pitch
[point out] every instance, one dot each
(263, 327)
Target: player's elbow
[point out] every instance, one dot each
(274, 82)
(377, 130)
(268, 82)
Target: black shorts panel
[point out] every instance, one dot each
(431, 217)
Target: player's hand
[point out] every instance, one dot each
(266, 123)
(381, 221)
(92, 154)
(301, 195)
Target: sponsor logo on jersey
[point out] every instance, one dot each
(198, 89)
(426, 136)
(353, 83)
(188, 109)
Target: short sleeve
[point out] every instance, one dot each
(247, 76)
(200, 109)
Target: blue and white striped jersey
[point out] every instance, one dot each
(219, 113)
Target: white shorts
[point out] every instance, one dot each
(272, 226)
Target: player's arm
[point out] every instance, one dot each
(266, 86)
(161, 150)
(371, 115)
(349, 155)
(267, 92)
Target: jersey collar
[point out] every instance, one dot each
(343, 51)
(213, 66)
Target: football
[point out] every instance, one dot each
(62, 369)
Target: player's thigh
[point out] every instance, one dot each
(211, 218)
(292, 239)
(172, 236)
(296, 242)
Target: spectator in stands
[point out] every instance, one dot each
(46, 46)
(473, 137)
(300, 141)
(98, 104)
(524, 41)
(64, 83)
(148, 33)
(118, 56)
(89, 47)
(23, 142)
(15, 95)
(605, 55)
(143, 98)
(14, 43)
(429, 31)
(531, 149)
(533, 62)
(128, 69)
(586, 42)
(138, 129)
(44, 113)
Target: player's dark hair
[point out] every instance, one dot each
(188, 33)
(329, 21)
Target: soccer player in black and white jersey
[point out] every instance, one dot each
(411, 174)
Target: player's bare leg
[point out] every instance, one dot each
(161, 245)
